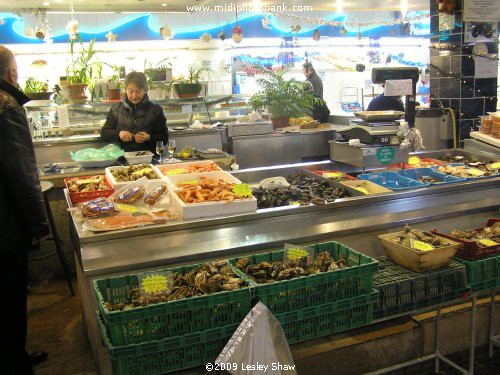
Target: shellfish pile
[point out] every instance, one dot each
(303, 190)
(488, 233)
(207, 278)
(266, 273)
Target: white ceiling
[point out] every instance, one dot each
(180, 5)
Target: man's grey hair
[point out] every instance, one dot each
(6, 60)
(138, 78)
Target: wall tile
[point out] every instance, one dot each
(464, 128)
(485, 87)
(490, 104)
(471, 108)
(467, 66)
(467, 87)
(449, 88)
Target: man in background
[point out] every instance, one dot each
(386, 103)
(22, 216)
(313, 78)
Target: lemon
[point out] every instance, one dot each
(362, 189)
(420, 245)
(487, 242)
(185, 155)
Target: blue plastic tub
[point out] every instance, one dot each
(392, 180)
(417, 173)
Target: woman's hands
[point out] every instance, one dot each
(139, 137)
(125, 136)
(142, 137)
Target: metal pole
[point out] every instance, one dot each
(492, 322)
(438, 328)
(472, 335)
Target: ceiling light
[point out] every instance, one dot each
(58, 1)
(404, 8)
(164, 4)
(46, 4)
(339, 6)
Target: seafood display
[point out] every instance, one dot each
(130, 195)
(152, 197)
(134, 172)
(211, 277)
(123, 220)
(191, 168)
(493, 167)
(429, 180)
(208, 190)
(302, 190)
(416, 162)
(488, 236)
(266, 273)
(462, 171)
(86, 184)
(97, 208)
(419, 240)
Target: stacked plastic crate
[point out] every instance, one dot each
(401, 290)
(168, 336)
(482, 261)
(324, 303)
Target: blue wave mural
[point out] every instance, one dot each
(141, 27)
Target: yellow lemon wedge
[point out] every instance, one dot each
(332, 174)
(413, 160)
(175, 171)
(362, 189)
(487, 242)
(420, 245)
(143, 171)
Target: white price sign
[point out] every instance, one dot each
(481, 10)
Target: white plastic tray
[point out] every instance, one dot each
(207, 209)
(115, 183)
(132, 157)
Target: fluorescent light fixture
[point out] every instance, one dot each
(46, 4)
(339, 7)
(404, 8)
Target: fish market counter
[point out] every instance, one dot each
(354, 221)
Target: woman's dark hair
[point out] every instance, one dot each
(138, 78)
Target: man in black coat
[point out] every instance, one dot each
(313, 78)
(22, 216)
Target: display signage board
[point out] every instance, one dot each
(481, 11)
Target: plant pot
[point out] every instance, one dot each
(280, 122)
(75, 92)
(187, 90)
(114, 94)
(40, 95)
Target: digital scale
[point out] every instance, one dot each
(372, 133)
(379, 143)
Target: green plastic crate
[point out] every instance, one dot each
(313, 290)
(401, 289)
(158, 321)
(482, 273)
(327, 319)
(167, 355)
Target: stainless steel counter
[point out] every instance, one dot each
(282, 148)
(354, 221)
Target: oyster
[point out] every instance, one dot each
(242, 263)
(200, 281)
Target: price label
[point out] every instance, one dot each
(294, 252)
(242, 190)
(155, 282)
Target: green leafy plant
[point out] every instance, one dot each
(34, 86)
(153, 70)
(282, 97)
(83, 68)
(197, 72)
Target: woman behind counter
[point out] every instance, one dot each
(136, 123)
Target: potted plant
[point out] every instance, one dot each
(282, 98)
(190, 86)
(158, 76)
(37, 90)
(81, 70)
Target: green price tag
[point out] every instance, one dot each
(294, 252)
(385, 154)
(155, 282)
(242, 190)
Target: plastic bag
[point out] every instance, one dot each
(258, 346)
(110, 151)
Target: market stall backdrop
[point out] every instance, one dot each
(335, 43)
